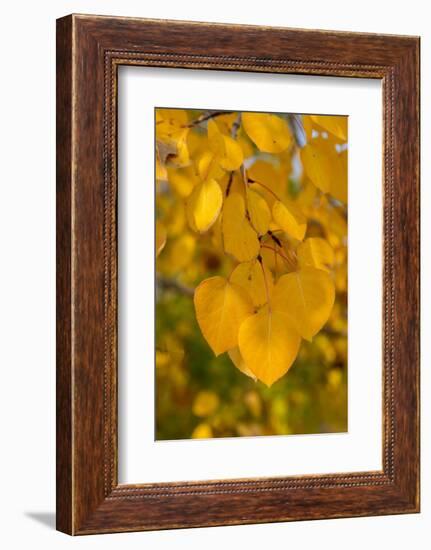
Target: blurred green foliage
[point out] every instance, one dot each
(311, 398)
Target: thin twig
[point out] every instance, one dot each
(208, 116)
(265, 187)
(297, 129)
(235, 126)
(285, 258)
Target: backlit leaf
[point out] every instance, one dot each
(306, 297)
(208, 166)
(289, 219)
(203, 205)
(226, 150)
(171, 124)
(316, 159)
(268, 180)
(269, 344)
(249, 275)
(172, 130)
(239, 237)
(221, 307)
(339, 182)
(260, 214)
(238, 361)
(326, 167)
(336, 125)
(315, 252)
(182, 180)
(269, 132)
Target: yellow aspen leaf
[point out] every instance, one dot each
(204, 205)
(337, 223)
(202, 431)
(240, 239)
(325, 167)
(208, 166)
(336, 125)
(173, 153)
(339, 182)
(232, 156)
(197, 142)
(307, 124)
(226, 150)
(181, 158)
(205, 403)
(238, 361)
(268, 179)
(306, 297)
(234, 181)
(307, 196)
(225, 122)
(316, 160)
(269, 132)
(260, 214)
(289, 219)
(171, 135)
(245, 143)
(217, 237)
(160, 237)
(315, 252)
(171, 124)
(269, 344)
(214, 133)
(182, 180)
(221, 307)
(249, 275)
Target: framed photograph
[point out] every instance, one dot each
(237, 274)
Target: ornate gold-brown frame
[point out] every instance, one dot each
(89, 51)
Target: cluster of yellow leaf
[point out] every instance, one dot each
(231, 172)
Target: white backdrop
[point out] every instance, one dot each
(27, 310)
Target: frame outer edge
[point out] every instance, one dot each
(81, 506)
(64, 300)
(407, 272)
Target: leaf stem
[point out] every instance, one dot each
(265, 187)
(259, 259)
(229, 184)
(285, 258)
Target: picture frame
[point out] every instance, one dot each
(89, 51)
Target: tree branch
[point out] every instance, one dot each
(211, 114)
(297, 129)
(167, 283)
